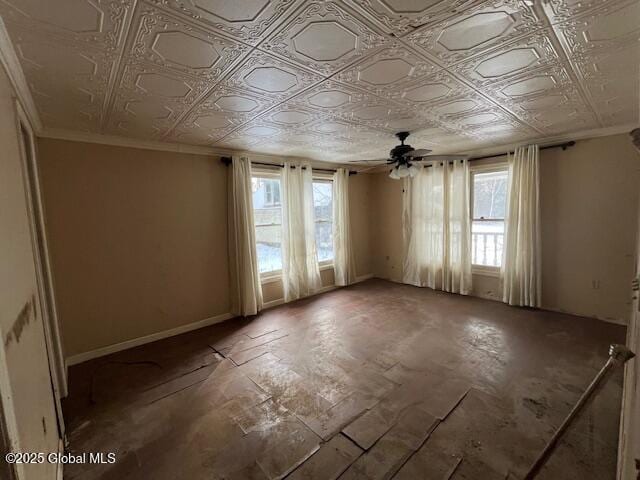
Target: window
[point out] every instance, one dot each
(488, 209)
(267, 213)
(272, 194)
(323, 212)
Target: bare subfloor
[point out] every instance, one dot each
(374, 381)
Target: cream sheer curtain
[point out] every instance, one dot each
(521, 266)
(344, 262)
(436, 228)
(246, 289)
(300, 271)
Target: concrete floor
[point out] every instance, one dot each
(378, 380)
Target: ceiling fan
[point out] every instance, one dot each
(403, 157)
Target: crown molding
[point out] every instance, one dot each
(499, 150)
(119, 141)
(543, 141)
(10, 62)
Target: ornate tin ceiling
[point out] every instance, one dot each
(330, 80)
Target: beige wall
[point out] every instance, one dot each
(360, 198)
(386, 227)
(589, 208)
(589, 204)
(25, 385)
(138, 240)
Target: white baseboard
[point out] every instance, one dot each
(135, 342)
(280, 301)
(273, 303)
(362, 278)
(328, 288)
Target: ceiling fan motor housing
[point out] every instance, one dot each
(397, 152)
(400, 150)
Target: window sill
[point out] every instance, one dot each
(271, 277)
(326, 266)
(485, 271)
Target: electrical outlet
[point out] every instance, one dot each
(595, 284)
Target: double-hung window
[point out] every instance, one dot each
(323, 217)
(488, 210)
(267, 212)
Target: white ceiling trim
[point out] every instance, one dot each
(117, 141)
(10, 62)
(595, 133)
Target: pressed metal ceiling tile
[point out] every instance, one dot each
(246, 20)
(330, 80)
(484, 26)
(325, 37)
(401, 16)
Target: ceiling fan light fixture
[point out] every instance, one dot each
(394, 174)
(403, 171)
(413, 170)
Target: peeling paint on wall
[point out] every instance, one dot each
(22, 320)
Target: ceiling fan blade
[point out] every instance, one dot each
(421, 152)
(371, 168)
(366, 161)
(444, 158)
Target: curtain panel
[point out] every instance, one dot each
(521, 265)
(436, 228)
(344, 261)
(246, 289)
(300, 271)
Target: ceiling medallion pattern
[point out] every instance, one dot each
(98, 25)
(325, 37)
(326, 78)
(478, 28)
(246, 20)
(265, 74)
(168, 42)
(388, 70)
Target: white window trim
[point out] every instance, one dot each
(276, 275)
(270, 173)
(270, 277)
(485, 270)
(267, 172)
(325, 178)
(325, 265)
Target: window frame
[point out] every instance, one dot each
(269, 174)
(326, 178)
(270, 197)
(486, 270)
